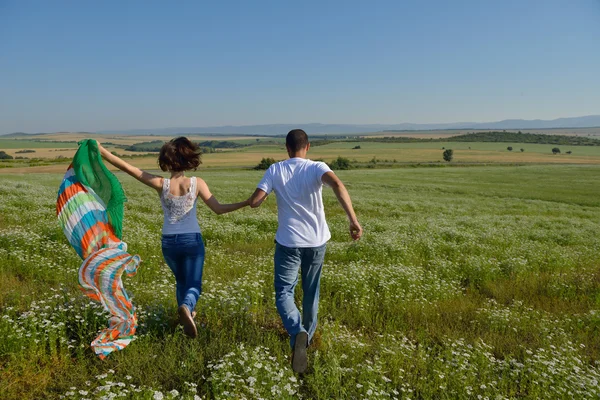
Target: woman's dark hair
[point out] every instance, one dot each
(180, 154)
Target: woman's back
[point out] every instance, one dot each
(182, 245)
(178, 199)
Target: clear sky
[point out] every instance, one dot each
(98, 65)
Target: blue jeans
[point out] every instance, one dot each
(184, 254)
(287, 262)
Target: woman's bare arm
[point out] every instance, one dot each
(212, 203)
(154, 181)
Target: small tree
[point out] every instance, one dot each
(555, 150)
(265, 163)
(4, 156)
(522, 150)
(569, 152)
(356, 148)
(448, 155)
(340, 163)
(509, 148)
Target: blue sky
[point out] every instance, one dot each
(75, 65)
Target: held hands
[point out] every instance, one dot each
(356, 230)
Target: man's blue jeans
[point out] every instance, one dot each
(184, 254)
(287, 262)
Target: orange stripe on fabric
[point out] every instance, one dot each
(102, 266)
(69, 192)
(104, 238)
(86, 264)
(92, 295)
(84, 268)
(121, 304)
(83, 271)
(100, 229)
(125, 302)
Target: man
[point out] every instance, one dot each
(301, 236)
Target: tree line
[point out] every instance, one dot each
(207, 146)
(491, 136)
(519, 137)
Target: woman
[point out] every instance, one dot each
(182, 245)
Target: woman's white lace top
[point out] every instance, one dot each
(179, 211)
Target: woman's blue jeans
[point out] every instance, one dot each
(184, 254)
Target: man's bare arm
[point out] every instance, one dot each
(331, 180)
(257, 198)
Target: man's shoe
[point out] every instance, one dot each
(299, 357)
(185, 318)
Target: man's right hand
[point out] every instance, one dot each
(356, 230)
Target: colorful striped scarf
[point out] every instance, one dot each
(90, 211)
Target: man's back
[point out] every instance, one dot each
(301, 236)
(298, 187)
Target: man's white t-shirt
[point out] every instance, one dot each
(300, 213)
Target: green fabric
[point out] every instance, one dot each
(91, 171)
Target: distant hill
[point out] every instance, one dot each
(16, 134)
(19, 134)
(316, 128)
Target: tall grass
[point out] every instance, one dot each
(468, 282)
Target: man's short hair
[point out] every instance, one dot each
(296, 140)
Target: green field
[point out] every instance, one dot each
(485, 146)
(468, 282)
(52, 151)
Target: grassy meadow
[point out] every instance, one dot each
(479, 282)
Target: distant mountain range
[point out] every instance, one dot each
(315, 128)
(588, 121)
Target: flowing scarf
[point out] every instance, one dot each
(90, 211)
